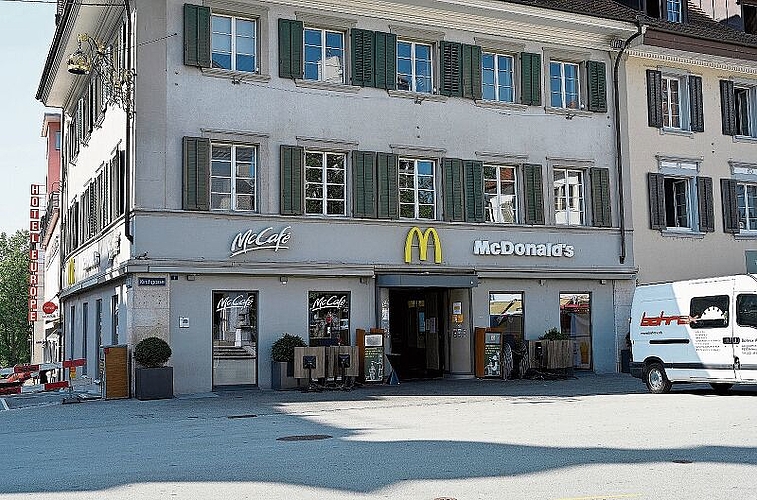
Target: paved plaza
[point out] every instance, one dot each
(591, 437)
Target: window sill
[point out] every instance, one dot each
(235, 76)
(334, 87)
(682, 233)
(745, 235)
(745, 139)
(418, 97)
(503, 105)
(676, 131)
(568, 112)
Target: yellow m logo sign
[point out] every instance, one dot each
(423, 238)
(70, 272)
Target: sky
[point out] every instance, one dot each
(26, 31)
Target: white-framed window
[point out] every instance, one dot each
(564, 85)
(325, 179)
(234, 43)
(497, 82)
(678, 202)
(501, 193)
(746, 198)
(233, 175)
(568, 189)
(672, 89)
(414, 67)
(674, 10)
(417, 189)
(745, 101)
(324, 55)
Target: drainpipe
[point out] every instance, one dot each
(127, 153)
(618, 143)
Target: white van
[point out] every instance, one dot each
(701, 330)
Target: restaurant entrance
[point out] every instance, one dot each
(416, 323)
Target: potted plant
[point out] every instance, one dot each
(153, 380)
(282, 361)
(554, 350)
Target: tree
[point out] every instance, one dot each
(15, 329)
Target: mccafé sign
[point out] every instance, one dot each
(423, 237)
(35, 256)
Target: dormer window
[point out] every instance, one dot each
(674, 10)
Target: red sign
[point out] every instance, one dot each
(49, 307)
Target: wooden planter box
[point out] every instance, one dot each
(282, 376)
(153, 383)
(556, 354)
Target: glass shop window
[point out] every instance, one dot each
(329, 318)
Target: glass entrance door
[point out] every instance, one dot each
(235, 338)
(415, 325)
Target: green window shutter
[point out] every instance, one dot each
(474, 191)
(730, 206)
(454, 202)
(695, 101)
(196, 35)
(728, 107)
(597, 78)
(472, 71)
(387, 192)
(291, 164)
(364, 184)
(363, 46)
(290, 48)
(654, 98)
(196, 195)
(600, 197)
(656, 184)
(385, 60)
(534, 213)
(451, 71)
(706, 205)
(530, 79)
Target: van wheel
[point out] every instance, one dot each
(721, 388)
(656, 380)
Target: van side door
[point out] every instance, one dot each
(711, 332)
(745, 336)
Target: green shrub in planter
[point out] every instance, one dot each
(554, 334)
(282, 349)
(152, 352)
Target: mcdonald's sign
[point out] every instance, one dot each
(423, 237)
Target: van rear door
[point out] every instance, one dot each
(745, 336)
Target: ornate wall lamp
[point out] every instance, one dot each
(117, 83)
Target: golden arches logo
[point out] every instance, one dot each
(423, 237)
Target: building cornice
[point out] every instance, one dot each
(694, 60)
(484, 18)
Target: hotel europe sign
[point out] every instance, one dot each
(483, 247)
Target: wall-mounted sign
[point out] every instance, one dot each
(49, 307)
(151, 282)
(486, 247)
(423, 241)
(266, 239)
(35, 256)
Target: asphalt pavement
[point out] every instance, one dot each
(590, 437)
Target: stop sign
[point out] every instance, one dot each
(49, 307)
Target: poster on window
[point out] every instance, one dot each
(235, 318)
(329, 318)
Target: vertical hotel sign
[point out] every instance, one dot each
(35, 256)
